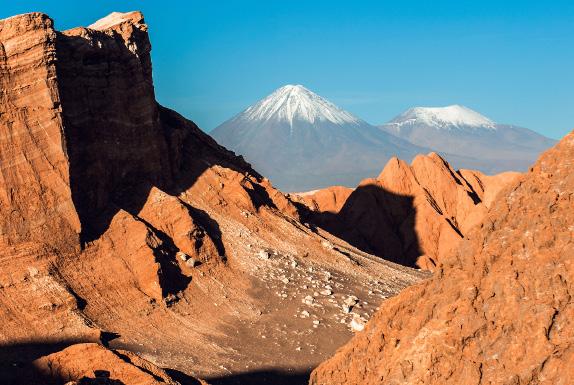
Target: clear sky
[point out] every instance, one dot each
(513, 61)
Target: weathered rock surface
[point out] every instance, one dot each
(102, 192)
(409, 214)
(498, 310)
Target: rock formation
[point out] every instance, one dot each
(122, 223)
(498, 310)
(82, 364)
(412, 215)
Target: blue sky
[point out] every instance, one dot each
(513, 61)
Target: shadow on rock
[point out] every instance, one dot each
(16, 366)
(119, 141)
(267, 377)
(375, 221)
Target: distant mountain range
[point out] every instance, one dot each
(302, 141)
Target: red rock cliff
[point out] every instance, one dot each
(35, 198)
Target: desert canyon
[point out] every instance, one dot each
(137, 250)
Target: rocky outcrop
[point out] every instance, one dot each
(498, 310)
(412, 215)
(80, 158)
(84, 364)
(330, 199)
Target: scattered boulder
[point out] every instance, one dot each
(351, 300)
(182, 256)
(308, 300)
(191, 262)
(327, 245)
(357, 324)
(264, 254)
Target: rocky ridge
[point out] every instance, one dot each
(498, 310)
(411, 214)
(82, 364)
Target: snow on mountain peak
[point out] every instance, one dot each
(295, 102)
(444, 117)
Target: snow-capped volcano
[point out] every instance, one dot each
(295, 102)
(459, 131)
(302, 141)
(455, 116)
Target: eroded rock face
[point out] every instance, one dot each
(497, 311)
(37, 301)
(35, 198)
(84, 143)
(410, 214)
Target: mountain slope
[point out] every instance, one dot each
(498, 310)
(457, 131)
(302, 141)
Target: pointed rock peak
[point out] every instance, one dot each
(454, 116)
(434, 157)
(393, 167)
(295, 102)
(115, 18)
(394, 161)
(433, 161)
